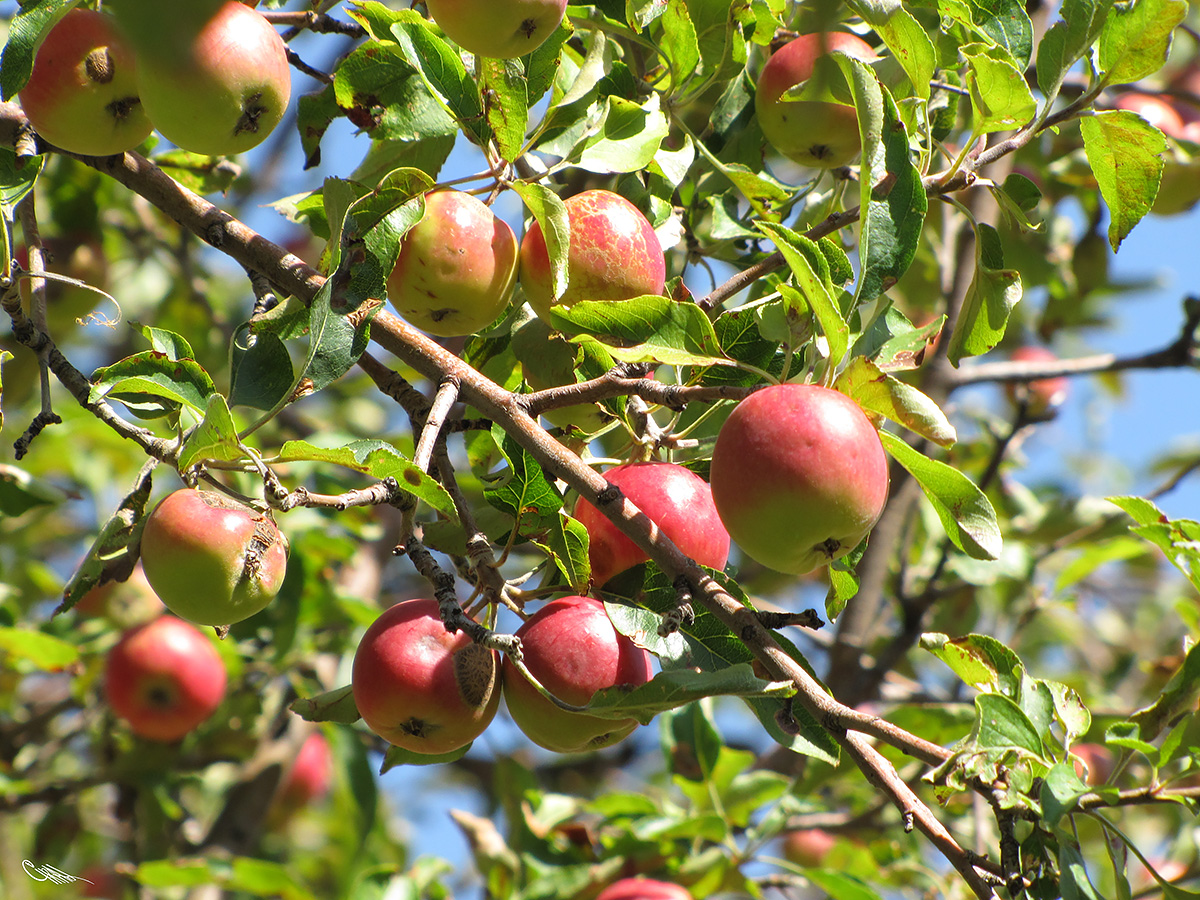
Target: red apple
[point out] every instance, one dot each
(571, 647)
(420, 687)
(798, 476)
(164, 678)
(1093, 762)
(643, 889)
(1154, 109)
(212, 559)
(456, 267)
(227, 88)
(498, 30)
(822, 133)
(808, 847)
(1041, 394)
(614, 254)
(310, 775)
(82, 95)
(676, 499)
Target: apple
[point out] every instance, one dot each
(418, 686)
(226, 90)
(614, 254)
(821, 133)
(675, 499)
(127, 603)
(572, 648)
(498, 30)
(1093, 762)
(1157, 111)
(164, 678)
(456, 267)
(798, 475)
(212, 559)
(642, 888)
(310, 775)
(1041, 394)
(808, 847)
(82, 94)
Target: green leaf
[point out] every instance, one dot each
(1061, 791)
(25, 33)
(15, 182)
(678, 687)
(1067, 41)
(505, 98)
(174, 346)
(892, 200)
(524, 492)
(567, 544)
(629, 136)
(843, 581)
(398, 756)
(810, 270)
(1136, 38)
(678, 43)
(1178, 698)
(551, 215)
(215, 438)
(338, 331)
(5, 356)
(964, 511)
(649, 328)
(841, 885)
(1178, 539)
(197, 172)
(261, 370)
(979, 660)
(1125, 153)
(991, 296)
(444, 74)
(1004, 23)
(1074, 880)
(152, 373)
(891, 398)
(379, 460)
(44, 651)
(21, 492)
(1000, 98)
(382, 93)
(332, 706)
(905, 37)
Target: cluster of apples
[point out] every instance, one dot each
(212, 78)
(458, 265)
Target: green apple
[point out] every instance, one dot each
(499, 30)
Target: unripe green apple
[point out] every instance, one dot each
(499, 30)
(211, 559)
(82, 95)
(675, 499)
(418, 686)
(821, 133)
(1042, 394)
(226, 90)
(798, 475)
(643, 889)
(164, 678)
(614, 254)
(456, 268)
(572, 648)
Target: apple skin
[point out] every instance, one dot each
(498, 30)
(127, 603)
(82, 95)
(421, 688)
(614, 254)
(808, 847)
(164, 678)
(211, 559)
(456, 268)
(798, 475)
(226, 91)
(573, 649)
(822, 134)
(310, 775)
(643, 889)
(676, 499)
(1041, 394)
(1093, 763)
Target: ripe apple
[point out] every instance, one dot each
(82, 95)
(1042, 394)
(164, 678)
(456, 267)
(420, 687)
(212, 559)
(614, 254)
(572, 648)
(808, 847)
(821, 133)
(310, 775)
(798, 476)
(1093, 762)
(498, 30)
(226, 90)
(641, 888)
(676, 499)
